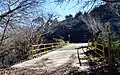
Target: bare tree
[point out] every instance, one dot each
(44, 26)
(15, 20)
(15, 5)
(94, 23)
(18, 11)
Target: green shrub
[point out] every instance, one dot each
(60, 41)
(115, 50)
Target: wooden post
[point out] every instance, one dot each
(33, 51)
(103, 48)
(95, 46)
(109, 44)
(44, 49)
(79, 57)
(69, 37)
(52, 46)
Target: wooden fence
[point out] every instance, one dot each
(45, 48)
(97, 48)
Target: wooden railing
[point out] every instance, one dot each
(97, 48)
(45, 48)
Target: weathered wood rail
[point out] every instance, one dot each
(45, 48)
(97, 48)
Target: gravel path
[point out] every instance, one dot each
(59, 62)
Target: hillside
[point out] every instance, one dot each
(82, 26)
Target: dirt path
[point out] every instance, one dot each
(59, 62)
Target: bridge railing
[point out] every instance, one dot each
(97, 48)
(45, 48)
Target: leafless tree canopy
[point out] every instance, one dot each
(17, 32)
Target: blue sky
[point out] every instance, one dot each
(65, 9)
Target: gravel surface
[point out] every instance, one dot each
(63, 61)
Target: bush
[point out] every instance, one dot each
(60, 41)
(115, 51)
